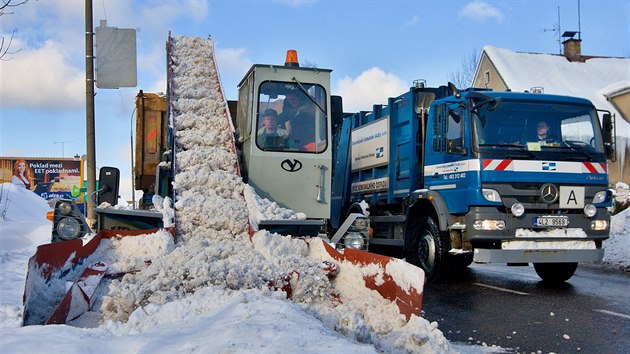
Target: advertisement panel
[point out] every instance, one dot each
(47, 177)
(370, 145)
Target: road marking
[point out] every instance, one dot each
(501, 289)
(612, 313)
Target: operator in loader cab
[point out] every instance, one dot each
(298, 118)
(271, 135)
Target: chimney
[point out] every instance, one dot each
(572, 46)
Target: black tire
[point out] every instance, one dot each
(430, 249)
(555, 272)
(461, 261)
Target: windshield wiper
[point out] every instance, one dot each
(305, 91)
(578, 149)
(519, 147)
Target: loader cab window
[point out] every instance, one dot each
(448, 129)
(291, 117)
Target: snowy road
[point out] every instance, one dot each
(510, 307)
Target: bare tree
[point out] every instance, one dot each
(5, 45)
(464, 76)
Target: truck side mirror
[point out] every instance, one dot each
(608, 135)
(608, 126)
(109, 180)
(336, 114)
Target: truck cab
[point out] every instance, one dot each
(510, 186)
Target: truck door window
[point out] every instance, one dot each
(448, 129)
(300, 117)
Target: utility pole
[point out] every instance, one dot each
(89, 109)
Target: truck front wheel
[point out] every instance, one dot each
(431, 249)
(555, 272)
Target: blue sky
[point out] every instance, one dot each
(375, 48)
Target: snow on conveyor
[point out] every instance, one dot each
(214, 252)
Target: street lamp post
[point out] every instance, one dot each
(62, 147)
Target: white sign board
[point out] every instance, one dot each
(373, 185)
(370, 145)
(571, 197)
(115, 57)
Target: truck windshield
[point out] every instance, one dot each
(546, 130)
(291, 117)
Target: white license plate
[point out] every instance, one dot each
(551, 221)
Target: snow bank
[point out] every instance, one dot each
(22, 218)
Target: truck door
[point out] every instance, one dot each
(290, 158)
(447, 165)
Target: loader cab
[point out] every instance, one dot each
(283, 127)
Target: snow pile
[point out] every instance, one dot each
(622, 197)
(264, 209)
(214, 253)
(617, 247)
(129, 254)
(22, 218)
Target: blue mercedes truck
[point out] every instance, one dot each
(451, 177)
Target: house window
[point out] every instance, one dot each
(486, 78)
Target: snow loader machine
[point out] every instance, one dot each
(292, 168)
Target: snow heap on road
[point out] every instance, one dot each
(214, 252)
(24, 218)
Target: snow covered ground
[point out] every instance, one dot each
(212, 319)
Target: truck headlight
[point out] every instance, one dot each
(353, 233)
(599, 225)
(68, 222)
(354, 240)
(361, 224)
(68, 229)
(517, 209)
(590, 210)
(64, 207)
(600, 197)
(491, 195)
(490, 225)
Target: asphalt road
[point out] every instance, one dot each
(510, 307)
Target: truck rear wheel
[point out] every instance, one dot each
(431, 249)
(555, 272)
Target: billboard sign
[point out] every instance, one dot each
(47, 177)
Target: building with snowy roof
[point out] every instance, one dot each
(605, 81)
